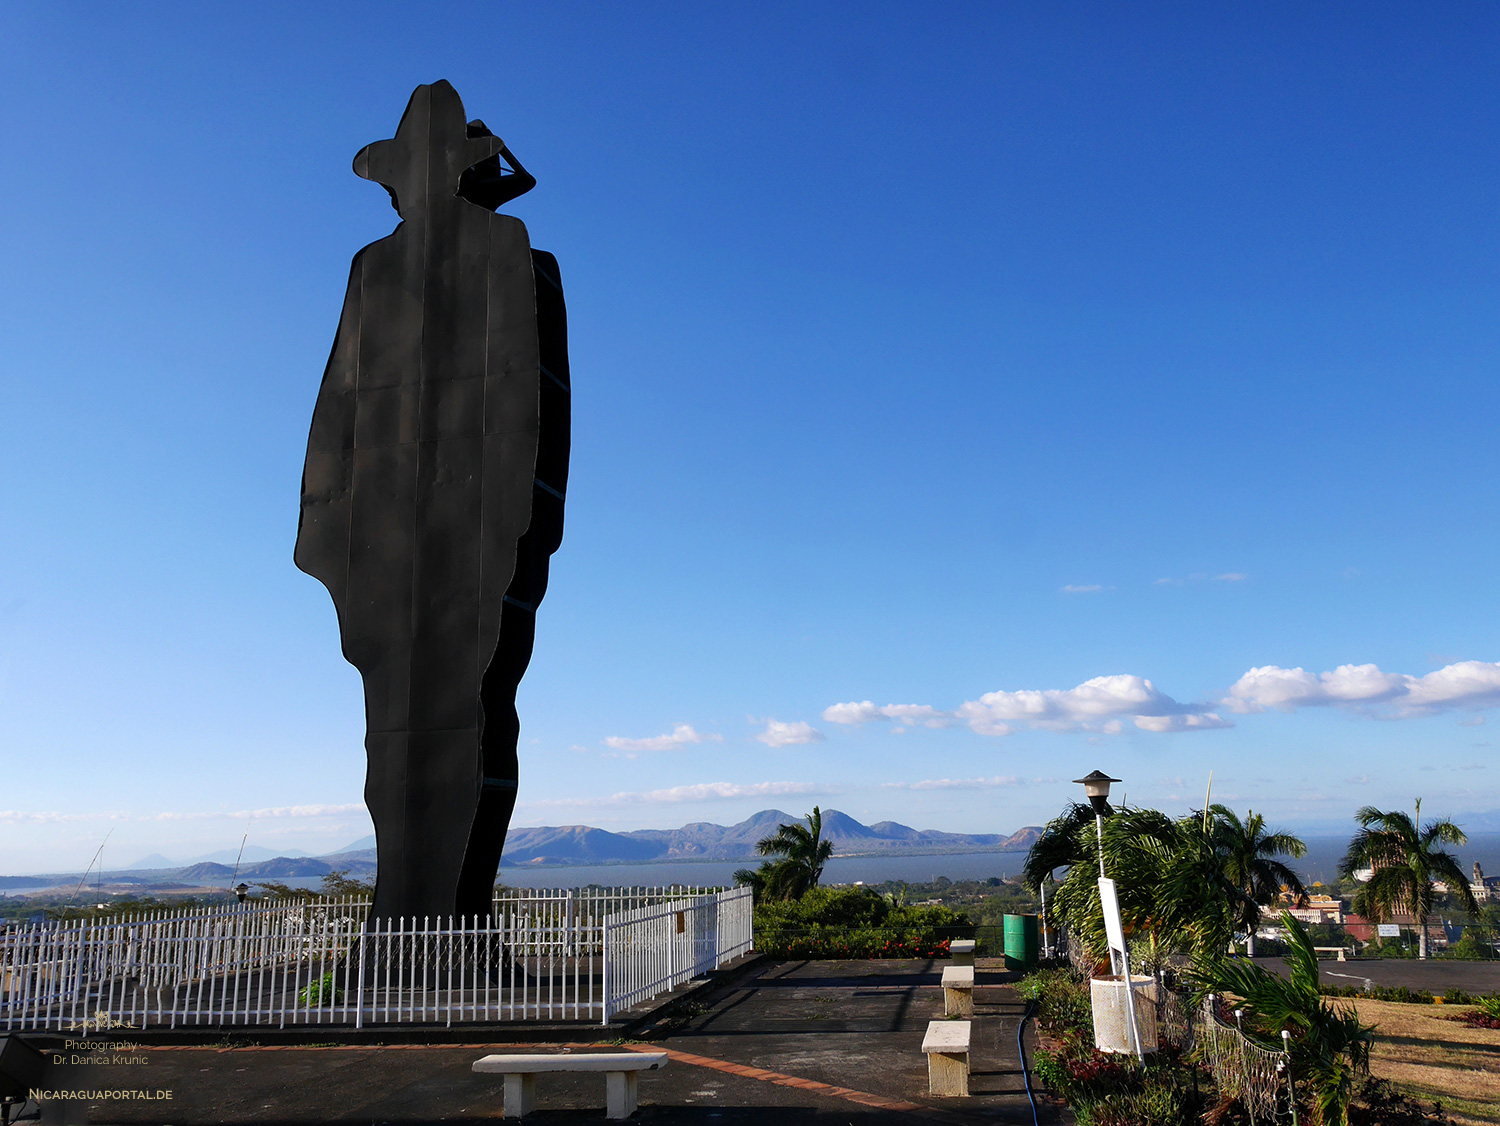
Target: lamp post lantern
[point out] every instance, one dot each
(1096, 786)
(241, 891)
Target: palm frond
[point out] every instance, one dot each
(1283, 844)
(1061, 845)
(1445, 831)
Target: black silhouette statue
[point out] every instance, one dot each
(432, 497)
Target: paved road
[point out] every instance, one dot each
(1437, 975)
(794, 1044)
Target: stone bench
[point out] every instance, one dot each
(947, 1048)
(962, 951)
(621, 1072)
(1338, 950)
(958, 991)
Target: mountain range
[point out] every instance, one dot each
(251, 854)
(703, 840)
(569, 844)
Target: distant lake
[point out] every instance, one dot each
(1324, 854)
(710, 873)
(1320, 863)
(839, 870)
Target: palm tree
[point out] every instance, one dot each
(1067, 840)
(1330, 1047)
(1169, 875)
(1247, 852)
(1405, 862)
(1184, 884)
(798, 854)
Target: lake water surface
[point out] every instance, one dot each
(1320, 863)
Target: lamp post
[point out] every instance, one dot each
(1096, 786)
(241, 891)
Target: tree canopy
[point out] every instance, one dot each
(1189, 883)
(798, 853)
(1406, 860)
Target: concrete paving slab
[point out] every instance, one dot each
(860, 1025)
(805, 1042)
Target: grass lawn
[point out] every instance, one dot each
(1434, 1058)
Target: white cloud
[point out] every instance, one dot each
(680, 736)
(1100, 704)
(27, 816)
(1090, 588)
(697, 792)
(865, 711)
(854, 712)
(1191, 721)
(1231, 577)
(778, 734)
(1465, 684)
(958, 783)
(914, 714)
(263, 814)
(19, 816)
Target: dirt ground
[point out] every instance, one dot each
(1432, 1057)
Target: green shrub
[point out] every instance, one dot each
(1380, 1104)
(1158, 1101)
(855, 923)
(1470, 949)
(1400, 994)
(1052, 1070)
(1062, 1001)
(842, 943)
(1102, 1089)
(320, 991)
(1489, 1006)
(1388, 948)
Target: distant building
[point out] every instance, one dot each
(1360, 928)
(1485, 888)
(1312, 909)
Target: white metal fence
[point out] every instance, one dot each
(1260, 1078)
(542, 955)
(652, 950)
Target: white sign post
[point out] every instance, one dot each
(1119, 956)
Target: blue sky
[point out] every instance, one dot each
(929, 367)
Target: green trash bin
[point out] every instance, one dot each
(1022, 942)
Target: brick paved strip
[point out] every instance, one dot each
(863, 1098)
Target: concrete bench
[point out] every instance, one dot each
(621, 1072)
(947, 1047)
(958, 991)
(962, 951)
(1338, 950)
